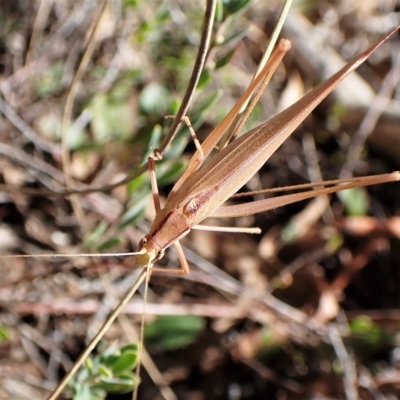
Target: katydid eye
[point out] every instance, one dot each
(142, 242)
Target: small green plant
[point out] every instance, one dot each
(172, 332)
(108, 372)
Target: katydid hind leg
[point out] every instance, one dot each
(259, 206)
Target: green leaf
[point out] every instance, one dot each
(219, 11)
(135, 210)
(50, 80)
(4, 334)
(205, 78)
(136, 183)
(210, 102)
(117, 385)
(233, 6)
(110, 359)
(129, 3)
(175, 341)
(334, 243)
(85, 392)
(222, 61)
(153, 99)
(154, 142)
(105, 371)
(49, 124)
(355, 201)
(178, 145)
(236, 37)
(125, 362)
(108, 372)
(361, 324)
(110, 243)
(174, 332)
(89, 363)
(130, 347)
(173, 107)
(112, 118)
(170, 173)
(267, 336)
(371, 337)
(95, 236)
(289, 233)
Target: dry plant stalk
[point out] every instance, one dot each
(204, 187)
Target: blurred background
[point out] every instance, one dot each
(309, 309)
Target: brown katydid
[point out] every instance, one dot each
(205, 187)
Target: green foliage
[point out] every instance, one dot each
(155, 138)
(367, 331)
(136, 207)
(235, 37)
(95, 236)
(267, 336)
(227, 8)
(50, 81)
(355, 201)
(205, 78)
(168, 173)
(334, 243)
(233, 6)
(173, 332)
(153, 99)
(108, 372)
(335, 115)
(289, 233)
(222, 61)
(112, 118)
(4, 334)
(95, 239)
(369, 338)
(110, 243)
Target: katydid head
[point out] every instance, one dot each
(167, 228)
(148, 252)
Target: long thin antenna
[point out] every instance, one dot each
(65, 255)
(146, 289)
(208, 23)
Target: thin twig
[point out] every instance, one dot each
(220, 280)
(350, 373)
(98, 336)
(133, 337)
(38, 27)
(26, 130)
(198, 66)
(208, 22)
(32, 163)
(66, 161)
(314, 172)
